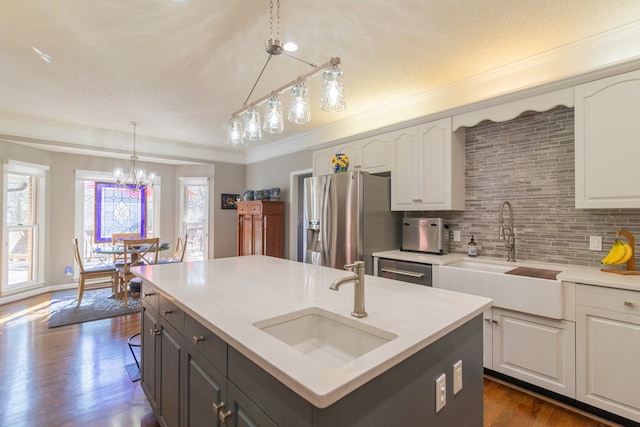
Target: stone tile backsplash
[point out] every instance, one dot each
(529, 161)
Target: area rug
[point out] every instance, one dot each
(96, 304)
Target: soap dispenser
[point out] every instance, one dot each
(473, 248)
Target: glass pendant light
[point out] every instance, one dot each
(251, 130)
(234, 132)
(273, 122)
(299, 111)
(332, 90)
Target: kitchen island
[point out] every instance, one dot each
(205, 354)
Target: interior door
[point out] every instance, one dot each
(194, 217)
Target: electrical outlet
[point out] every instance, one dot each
(457, 377)
(595, 243)
(441, 392)
(456, 236)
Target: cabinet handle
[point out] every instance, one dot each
(217, 407)
(402, 272)
(495, 321)
(154, 332)
(165, 312)
(487, 319)
(148, 294)
(224, 416)
(630, 304)
(197, 340)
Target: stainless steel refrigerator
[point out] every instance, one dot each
(347, 217)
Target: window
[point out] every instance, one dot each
(23, 261)
(103, 209)
(194, 216)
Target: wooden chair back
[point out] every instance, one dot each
(76, 255)
(118, 239)
(108, 273)
(180, 249)
(139, 252)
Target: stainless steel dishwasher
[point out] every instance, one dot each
(405, 271)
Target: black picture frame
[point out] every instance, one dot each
(228, 201)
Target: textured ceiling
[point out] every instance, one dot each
(182, 67)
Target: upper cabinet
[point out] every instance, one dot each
(371, 155)
(607, 113)
(428, 168)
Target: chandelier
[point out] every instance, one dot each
(245, 122)
(137, 178)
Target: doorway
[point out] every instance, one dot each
(194, 217)
(296, 213)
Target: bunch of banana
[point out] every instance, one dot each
(619, 254)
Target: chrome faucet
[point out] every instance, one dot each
(507, 233)
(358, 291)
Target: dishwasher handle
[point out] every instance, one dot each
(402, 272)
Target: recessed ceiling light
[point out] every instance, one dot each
(42, 55)
(290, 47)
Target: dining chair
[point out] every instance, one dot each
(118, 239)
(178, 251)
(136, 252)
(102, 272)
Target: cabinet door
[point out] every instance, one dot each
(169, 370)
(243, 411)
(405, 171)
(205, 386)
(535, 349)
(273, 235)
(322, 161)
(258, 235)
(607, 113)
(608, 372)
(246, 235)
(149, 339)
(376, 154)
(487, 339)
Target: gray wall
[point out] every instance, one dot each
(529, 161)
(277, 173)
(60, 201)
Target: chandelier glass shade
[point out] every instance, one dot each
(251, 125)
(137, 178)
(234, 132)
(273, 120)
(333, 90)
(299, 111)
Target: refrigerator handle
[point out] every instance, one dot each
(325, 221)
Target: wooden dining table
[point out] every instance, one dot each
(119, 249)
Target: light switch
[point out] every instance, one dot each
(595, 243)
(441, 392)
(457, 377)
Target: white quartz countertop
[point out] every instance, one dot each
(569, 273)
(228, 295)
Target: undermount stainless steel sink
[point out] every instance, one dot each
(325, 336)
(527, 294)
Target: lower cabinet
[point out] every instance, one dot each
(191, 377)
(538, 350)
(608, 346)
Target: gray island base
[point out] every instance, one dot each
(193, 375)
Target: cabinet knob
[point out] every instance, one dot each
(154, 332)
(630, 304)
(165, 312)
(198, 340)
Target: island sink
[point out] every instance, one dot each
(325, 336)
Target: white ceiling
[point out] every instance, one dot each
(180, 68)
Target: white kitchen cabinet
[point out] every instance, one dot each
(607, 113)
(428, 168)
(321, 161)
(608, 345)
(373, 155)
(535, 349)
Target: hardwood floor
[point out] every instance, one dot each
(75, 376)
